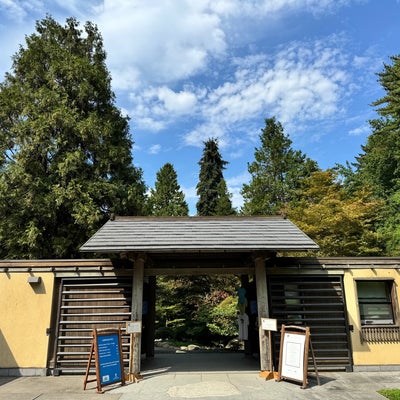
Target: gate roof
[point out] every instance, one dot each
(198, 234)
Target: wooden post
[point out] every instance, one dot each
(151, 318)
(137, 306)
(263, 311)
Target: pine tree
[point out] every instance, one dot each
(224, 204)
(276, 173)
(167, 199)
(65, 149)
(214, 198)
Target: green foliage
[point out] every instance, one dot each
(167, 199)
(342, 224)
(378, 167)
(276, 173)
(224, 203)
(197, 308)
(391, 394)
(214, 198)
(65, 149)
(223, 319)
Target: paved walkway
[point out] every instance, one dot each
(203, 377)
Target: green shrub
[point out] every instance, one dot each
(391, 394)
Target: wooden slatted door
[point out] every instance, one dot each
(85, 304)
(317, 302)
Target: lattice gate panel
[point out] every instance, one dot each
(317, 302)
(86, 304)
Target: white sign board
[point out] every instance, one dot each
(134, 327)
(293, 356)
(269, 324)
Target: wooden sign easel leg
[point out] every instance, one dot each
(88, 368)
(315, 364)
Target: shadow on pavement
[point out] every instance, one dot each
(6, 379)
(199, 361)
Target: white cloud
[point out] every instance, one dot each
(78, 8)
(154, 108)
(155, 149)
(235, 185)
(18, 10)
(257, 8)
(361, 130)
(164, 41)
(305, 81)
(178, 103)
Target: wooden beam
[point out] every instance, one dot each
(263, 311)
(198, 271)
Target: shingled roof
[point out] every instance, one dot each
(198, 234)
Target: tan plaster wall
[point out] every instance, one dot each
(25, 315)
(368, 353)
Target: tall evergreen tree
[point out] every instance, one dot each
(276, 173)
(167, 199)
(224, 204)
(65, 149)
(379, 164)
(214, 198)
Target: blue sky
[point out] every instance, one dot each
(188, 70)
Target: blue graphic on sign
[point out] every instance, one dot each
(109, 359)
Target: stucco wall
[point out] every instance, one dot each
(369, 353)
(25, 316)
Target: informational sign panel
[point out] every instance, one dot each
(293, 356)
(109, 358)
(107, 351)
(269, 324)
(134, 327)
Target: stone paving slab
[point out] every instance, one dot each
(204, 386)
(200, 378)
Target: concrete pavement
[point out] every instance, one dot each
(203, 376)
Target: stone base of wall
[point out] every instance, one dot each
(23, 371)
(376, 368)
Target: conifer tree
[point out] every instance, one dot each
(167, 198)
(65, 148)
(276, 173)
(378, 167)
(214, 198)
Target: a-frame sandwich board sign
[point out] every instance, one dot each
(293, 355)
(107, 352)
